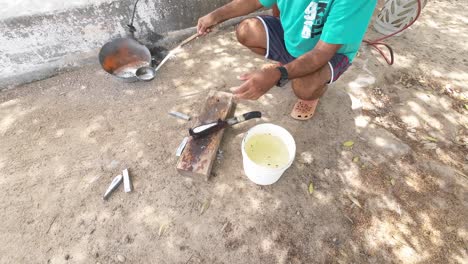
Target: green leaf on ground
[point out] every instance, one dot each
(311, 188)
(356, 159)
(432, 139)
(348, 144)
(466, 106)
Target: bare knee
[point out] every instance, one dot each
(247, 29)
(308, 91)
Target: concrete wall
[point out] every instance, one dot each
(38, 42)
(35, 7)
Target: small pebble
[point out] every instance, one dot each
(120, 258)
(306, 158)
(114, 164)
(67, 257)
(298, 213)
(127, 239)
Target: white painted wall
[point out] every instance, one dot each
(41, 37)
(16, 8)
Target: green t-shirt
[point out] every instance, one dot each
(305, 22)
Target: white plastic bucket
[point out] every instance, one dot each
(265, 175)
(396, 14)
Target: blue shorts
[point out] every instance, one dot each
(276, 49)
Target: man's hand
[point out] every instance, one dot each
(257, 83)
(235, 8)
(206, 23)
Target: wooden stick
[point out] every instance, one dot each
(51, 223)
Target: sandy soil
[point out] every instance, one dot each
(399, 195)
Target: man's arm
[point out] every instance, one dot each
(312, 61)
(236, 8)
(260, 82)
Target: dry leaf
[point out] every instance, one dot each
(348, 144)
(311, 188)
(224, 226)
(356, 159)
(355, 201)
(392, 181)
(204, 207)
(461, 174)
(350, 220)
(162, 228)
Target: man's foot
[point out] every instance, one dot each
(304, 110)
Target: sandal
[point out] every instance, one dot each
(304, 110)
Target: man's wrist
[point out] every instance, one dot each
(276, 74)
(283, 76)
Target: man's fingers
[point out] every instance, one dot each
(245, 96)
(199, 27)
(240, 90)
(201, 30)
(244, 77)
(243, 92)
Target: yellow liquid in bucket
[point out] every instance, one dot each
(267, 150)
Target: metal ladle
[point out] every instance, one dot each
(147, 73)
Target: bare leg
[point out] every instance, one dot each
(313, 86)
(309, 89)
(251, 33)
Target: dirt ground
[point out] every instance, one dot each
(399, 195)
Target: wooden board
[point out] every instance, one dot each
(199, 155)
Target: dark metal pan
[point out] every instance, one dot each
(123, 57)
